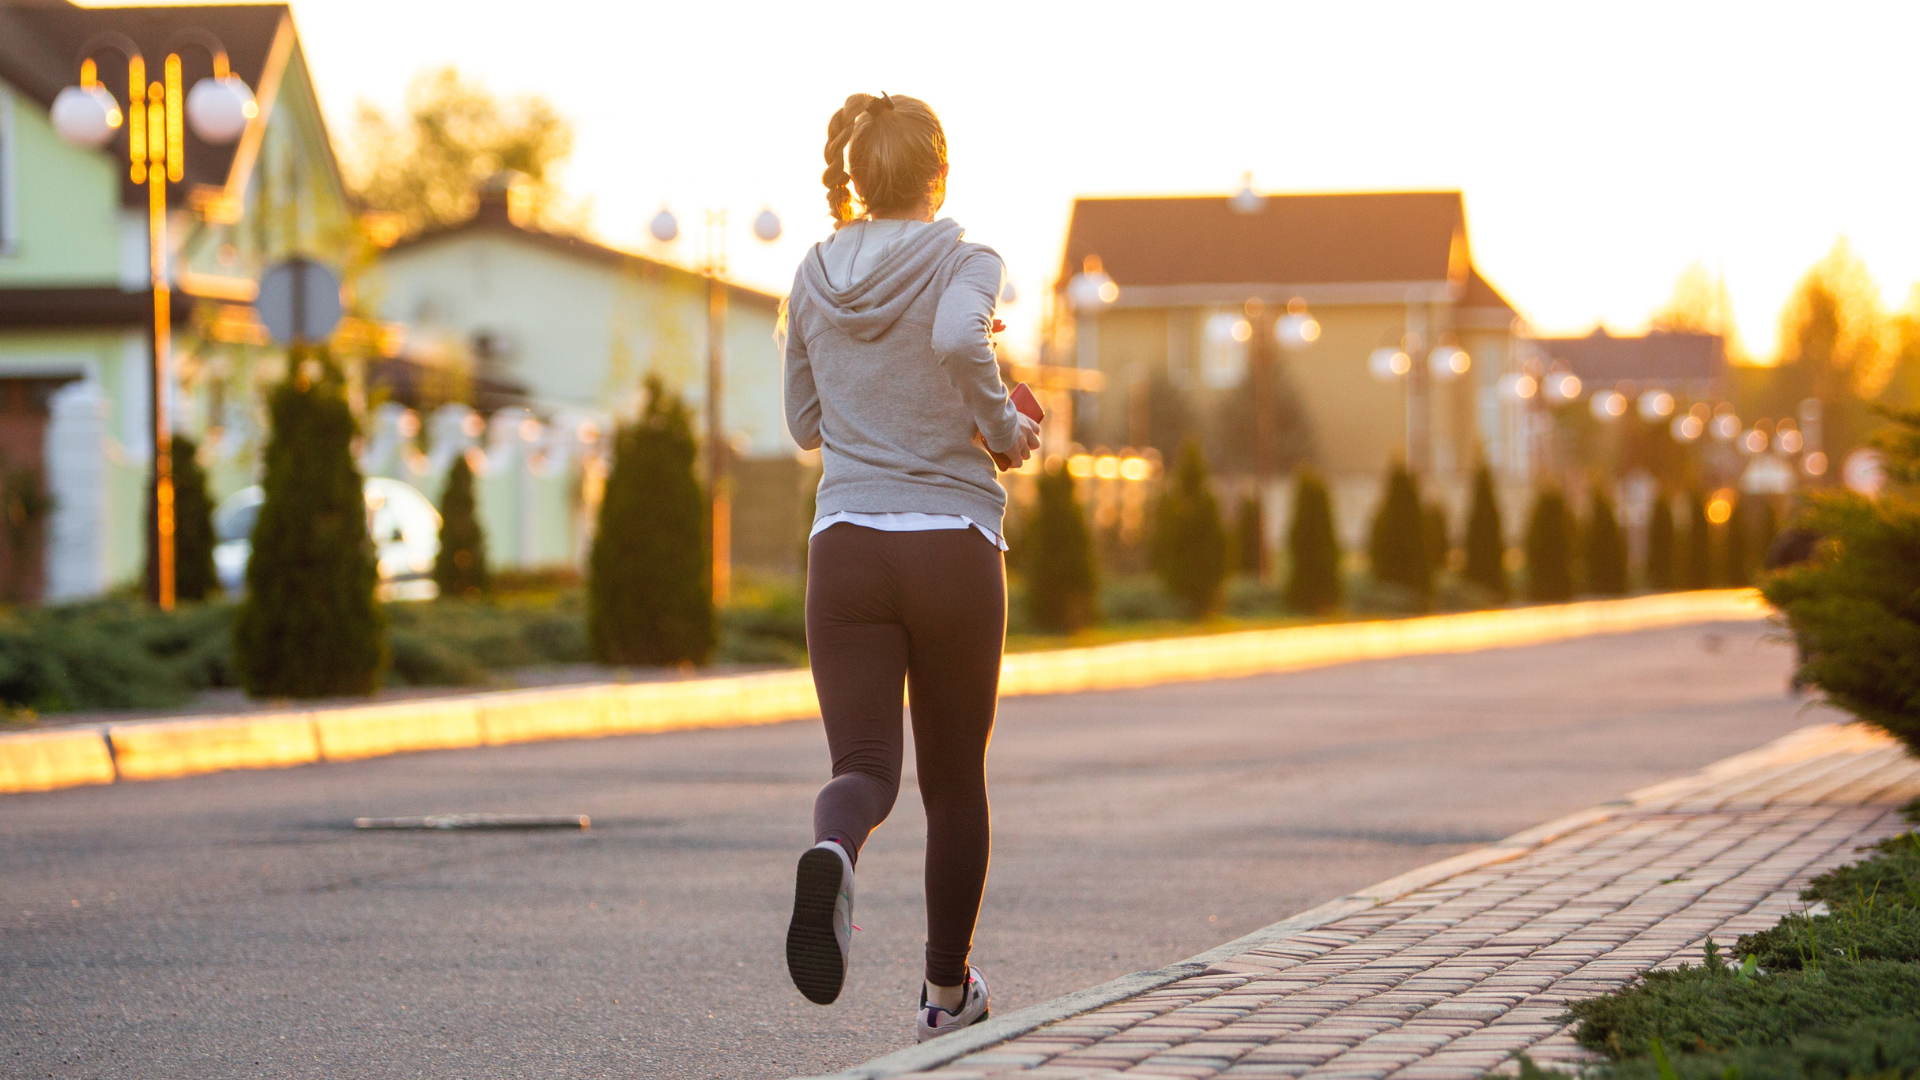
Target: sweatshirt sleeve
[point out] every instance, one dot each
(962, 343)
(801, 397)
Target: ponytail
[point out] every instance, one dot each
(891, 148)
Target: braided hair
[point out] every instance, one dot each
(892, 149)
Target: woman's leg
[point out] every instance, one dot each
(954, 603)
(858, 650)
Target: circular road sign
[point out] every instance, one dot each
(299, 301)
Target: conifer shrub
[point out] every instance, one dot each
(1604, 548)
(1660, 571)
(1486, 544)
(1696, 563)
(649, 578)
(1397, 546)
(1056, 550)
(1852, 605)
(1436, 538)
(310, 626)
(460, 569)
(1249, 539)
(1550, 548)
(1313, 550)
(1189, 548)
(193, 575)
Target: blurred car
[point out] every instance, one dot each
(404, 526)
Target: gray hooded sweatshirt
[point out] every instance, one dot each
(890, 369)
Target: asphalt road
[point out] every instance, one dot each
(235, 926)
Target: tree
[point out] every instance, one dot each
(454, 134)
(1249, 539)
(1604, 551)
(1660, 570)
(1697, 563)
(193, 540)
(310, 625)
(1057, 550)
(1313, 551)
(1834, 347)
(1851, 605)
(650, 573)
(1701, 304)
(1189, 543)
(1397, 548)
(1550, 548)
(460, 569)
(1486, 544)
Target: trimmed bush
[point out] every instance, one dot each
(1851, 606)
(1660, 573)
(1397, 547)
(649, 584)
(1435, 538)
(1313, 551)
(460, 569)
(1486, 542)
(1189, 550)
(1550, 548)
(1249, 539)
(1696, 563)
(1604, 548)
(310, 626)
(1882, 1048)
(1056, 550)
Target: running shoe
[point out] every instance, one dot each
(935, 1021)
(821, 933)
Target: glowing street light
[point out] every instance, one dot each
(1092, 289)
(1449, 362)
(1655, 405)
(218, 110)
(1297, 328)
(1388, 362)
(1608, 406)
(1562, 386)
(665, 228)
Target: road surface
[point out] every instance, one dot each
(235, 926)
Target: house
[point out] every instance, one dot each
(549, 336)
(1692, 365)
(1375, 334)
(76, 306)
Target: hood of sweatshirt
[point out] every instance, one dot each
(866, 275)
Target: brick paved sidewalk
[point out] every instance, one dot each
(1450, 980)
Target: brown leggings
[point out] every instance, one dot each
(930, 609)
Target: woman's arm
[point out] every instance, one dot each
(962, 342)
(801, 397)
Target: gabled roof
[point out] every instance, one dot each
(492, 218)
(1373, 238)
(40, 54)
(1600, 359)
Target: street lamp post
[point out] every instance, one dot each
(87, 115)
(713, 267)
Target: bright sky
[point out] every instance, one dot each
(1602, 148)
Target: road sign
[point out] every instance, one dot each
(299, 301)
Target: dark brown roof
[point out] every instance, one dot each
(1600, 359)
(40, 53)
(1402, 236)
(1480, 294)
(493, 218)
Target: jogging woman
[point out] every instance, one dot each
(890, 372)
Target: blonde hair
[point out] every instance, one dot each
(892, 148)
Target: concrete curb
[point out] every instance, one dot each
(153, 750)
(1796, 746)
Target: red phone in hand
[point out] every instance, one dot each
(1029, 406)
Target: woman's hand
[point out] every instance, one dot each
(1027, 443)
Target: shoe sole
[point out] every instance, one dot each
(981, 1019)
(814, 959)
